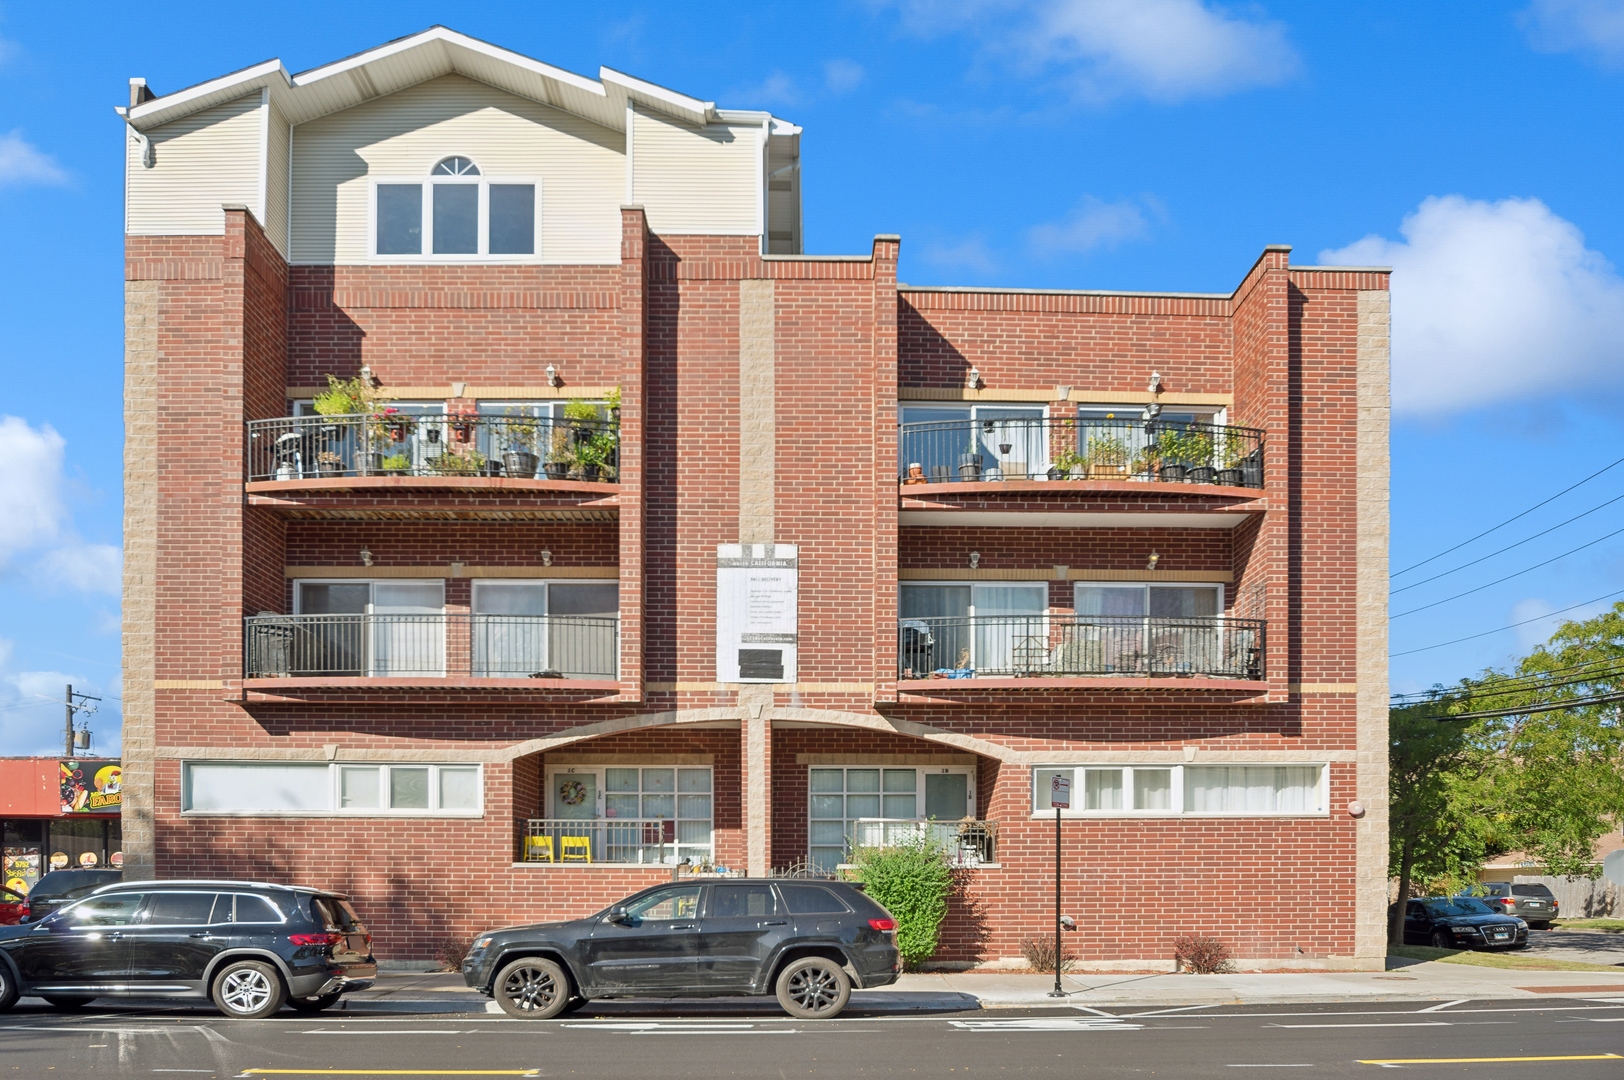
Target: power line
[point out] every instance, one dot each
(1508, 577)
(1509, 626)
(1528, 684)
(1509, 520)
(1530, 710)
(1508, 547)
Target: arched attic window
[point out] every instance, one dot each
(458, 215)
(456, 166)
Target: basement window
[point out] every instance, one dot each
(456, 214)
(1183, 790)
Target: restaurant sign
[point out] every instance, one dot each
(92, 787)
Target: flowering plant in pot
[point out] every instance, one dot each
(1231, 455)
(519, 458)
(1107, 458)
(1068, 464)
(329, 464)
(560, 455)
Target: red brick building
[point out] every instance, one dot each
(651, 542)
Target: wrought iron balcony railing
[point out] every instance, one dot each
(582, 841)
(1065, 448)
(966, 843)
(402, 444)
(1069, 646)
(432, 646)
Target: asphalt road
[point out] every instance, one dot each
(1570, 1037)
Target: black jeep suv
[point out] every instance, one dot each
(809, 942)
(246, 945)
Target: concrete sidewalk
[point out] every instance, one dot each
(444, 992)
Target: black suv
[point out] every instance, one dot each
(246, 945)
(808, 942)
(59, 888)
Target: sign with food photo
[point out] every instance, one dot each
(91, 787)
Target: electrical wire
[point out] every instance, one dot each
(1508, 577)
(1530, 710)
(1509, 626)
(1508, 687)
(1508, 547)
(1509, 520)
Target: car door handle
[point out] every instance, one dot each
(115, 936)
(776, 922)
(684, 926)
(205, 934)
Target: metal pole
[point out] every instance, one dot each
(1057, 991)
(67, 729)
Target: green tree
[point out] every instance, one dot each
(913, 881)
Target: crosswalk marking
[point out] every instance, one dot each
(1049, 1023)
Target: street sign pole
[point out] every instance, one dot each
(1059, 798)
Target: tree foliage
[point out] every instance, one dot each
(913, 881)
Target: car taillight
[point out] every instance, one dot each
(882, 924)
(1508, 901)
(315, 939)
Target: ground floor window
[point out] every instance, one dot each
(624, 813)
(300, 788)
(32, 847)
(847, 803)
(1245, 790)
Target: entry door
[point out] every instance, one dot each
(82, 946)
(174, 940)
(742, 929)
(947, 796)
(656, 947)
(408, 628)
(1011, 636)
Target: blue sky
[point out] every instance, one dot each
(1064, 143)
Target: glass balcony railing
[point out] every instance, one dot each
(1071, 646)
(408, 444)
(432, 646)
(1066, 448)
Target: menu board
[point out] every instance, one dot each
(20, 869)
(757, 602)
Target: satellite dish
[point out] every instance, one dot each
(1612, 867)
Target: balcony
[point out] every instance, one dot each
(616, 841)
(1103, 649)
(1054, 449)
(965, 843)
(432, 649)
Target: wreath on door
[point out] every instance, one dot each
(572, 793)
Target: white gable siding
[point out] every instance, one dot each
(581, 166)
(696, 180)
(199, 163)
(276, 179)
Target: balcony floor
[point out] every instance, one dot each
(447, 498)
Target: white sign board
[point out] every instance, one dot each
(1060, 791)
(757, 599)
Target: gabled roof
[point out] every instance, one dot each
(437, 51)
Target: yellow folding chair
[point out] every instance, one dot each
(538, 849)
(575, 847)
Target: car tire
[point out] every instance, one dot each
(575, 1004)
(1440, 940)
(814, 988)
(532, 988)
(57, 1001)
(314, 1004)
(8, 988)
(248, 990)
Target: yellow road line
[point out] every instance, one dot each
(1455, 1061)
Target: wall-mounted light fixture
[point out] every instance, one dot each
(975, 559)
(972, 378)
(1155, 386)
(546, 557)
(366, 557)
(552, 376)
(367, 376)
(1150, 563)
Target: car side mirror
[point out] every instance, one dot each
(618, 914)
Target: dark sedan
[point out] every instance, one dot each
(1461, 922)
(807, 942)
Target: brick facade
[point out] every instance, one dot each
(234, 327)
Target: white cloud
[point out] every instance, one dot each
(21, 162)
(1164, 50)
(1093, 224)
(1494, 300)
(776, 89)
(31, 708)
(842, 76)
(1594, 27)
(970, 254)
(35, 523)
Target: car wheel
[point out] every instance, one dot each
(575, 1004)
(248, 990)
(56, 1001)
(8, 989)
(532, 988)
(314, 1004)
(813, 989)
(1440, 940)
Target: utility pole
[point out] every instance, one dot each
(74, 703)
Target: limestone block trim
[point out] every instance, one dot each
(1062, 573)
(142, 311)
(630, 759)
(1322, 688)
(783, 688)
(758, 403)
(451, 570)
(1058, 393)
(437, 393)
(885, 759)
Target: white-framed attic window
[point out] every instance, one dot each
(455, 214)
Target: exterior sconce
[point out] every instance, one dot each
(367, 376)
(366, 557)
(1155, 386)
(546, 557)
(1150, 563)
(975, 559)
(1356, 810)
(972, 378)
(552, 376)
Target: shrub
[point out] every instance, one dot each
(1039, 953)
(1201, 954)
(452, 950)
(913, 881)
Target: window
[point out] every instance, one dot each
(841, 797)
(741, 901)
(546, 628)
(988, 629)
(974, 442)
(631, 813)
(1118, 441)
(182, 909)
(811, 900)
(301, 789)
(1144, 629)
(256, 909)
(663, 905)
(455, 213)
(1245, 790)
(116, 910)
(374, 628)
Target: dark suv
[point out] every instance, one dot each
(809, 942)
(59, 888)
(1535, 904)
(247, 945)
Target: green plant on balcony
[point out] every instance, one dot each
(560, 455)
(595, 455)
(454, 463)
(347, 397)
(1107, 457)
(398, 463)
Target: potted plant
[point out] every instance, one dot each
(560, 455)
(1107, 458)
(395, 463)
(346, 397)
(1068, 464)
(453, 463)
(1170, 452)
(970, 467)
(519, 458)
(596, 456)
(329, 464)
(1197, 447)
(1230, 459)
(916, 474)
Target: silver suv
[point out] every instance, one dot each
(1534, 904)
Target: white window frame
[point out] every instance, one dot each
(1322, 790)
(547, 584)
(600, 811)
(428, 180)
(1040, 587)
(968, 771)
(1078, 586)
(1204, 414)
(335, 791)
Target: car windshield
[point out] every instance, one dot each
(1538, 892)
(1460, 905)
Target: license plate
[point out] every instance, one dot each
(1534, 903)
(1502, 936)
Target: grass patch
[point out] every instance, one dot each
(1606, 926)
(1506, 961)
